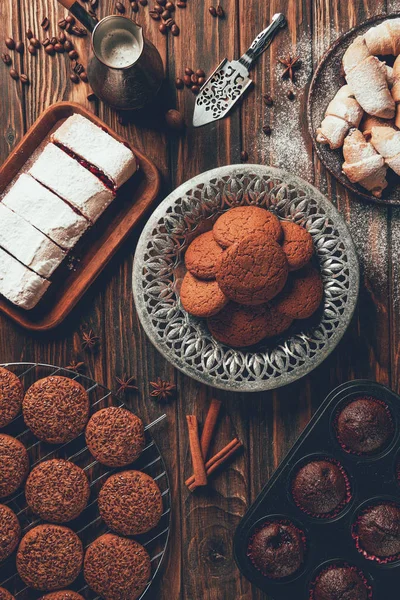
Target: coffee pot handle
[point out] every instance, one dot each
(80, 13)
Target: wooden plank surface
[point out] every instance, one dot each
(200, 563)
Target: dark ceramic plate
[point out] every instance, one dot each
(325, 83)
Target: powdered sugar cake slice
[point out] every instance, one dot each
(29, 245)
(47, 212)
(18, 284)
(87, 141)
(66, 177)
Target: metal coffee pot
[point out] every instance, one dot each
(130, 87)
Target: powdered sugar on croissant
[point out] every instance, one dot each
(343, 112)
(363, 164)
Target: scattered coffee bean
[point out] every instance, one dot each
(49, 49)
(165, 15)
(35, 42)
(62, 23)
(181, 4)
(244, 157)
(170, 23)
(74, 78)
(10, 43)
(24, 79)
(162, 3)
(53, 41)
(220, 12)
(213, 11)
(163, 28)
(194, 79)
(62, 38)
(174, 120)
(179, 83)
(187, 81)
(45, 42)
(188, 71)
(45, 24)
(291, 95)
(59, 48)
(94, 4)
(73, 55)
(6, 58)
(143, 2)
(170, 6)
(201, 80)
(200, 73)
(267, 130)
(175, 30)
(159, 9)
(20, 47)
(91, 97)
(154, 15)
(84, 77)
(68, 28)
(68, 46)
(32, 50)
(135, 7)
(268, 99)
(29, 33)
(119, 7)
(70, 19)
(79, 68)
(14, 74)
(195, 89)
(79, 31)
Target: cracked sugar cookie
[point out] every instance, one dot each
(201, 298)
(239, 222)
(202, 256)
(302, 295)
(297, 244)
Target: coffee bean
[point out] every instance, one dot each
(53, 40)
(170, 23)
(175, 30)
(70, 19)
(135, 7)
(49, 49)
(62, 38)
(188, 71)
(291, 95)
(14, 74)
(24, 79)
(6, 58)
(94, 4)
(68, 27)
(62, 23)
(244, 157)
(91, 97)
(170, 6)
(163, 28)
(174, 120)
(79, 68)
(158, 9)
(45, 42)
(35, 42)
(200, 73)
(29, 33)
(267, 130)
(201, 80)
(78, 31)
(181, 4)
(268, 99)
(73, 55)
(165, 15)
(154, 15)
(162, 3)
(179, 83)
(32, 50)
(59, 48)
(20, 47)
(195, 89)
(187, 81)
(194, 78)
(45, 24)
(120, 7)
(84, 77)
(10, 43)
(212, 10)
(143, 2)
(220, 12)
(68, 46)
(74, 78)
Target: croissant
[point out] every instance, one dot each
(343, 112)
(368, 122)
(396, 89)
(363, 164)
(386, 141)
(384, 39)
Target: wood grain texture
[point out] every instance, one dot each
(200, 563)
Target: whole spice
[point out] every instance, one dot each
(62, 38)
(195, 89)
(53, 40)
(20, 47)
(291, 95)
(89, 339)
(188, 71)
(68, 46)
(163, 28)
(45, 24)
(267, 130)
(59, 48)
(49, 49)
(179, 83)
(199, 471)
(79, 68)
(119, 7)
(6, 58)
(175, 30)
(73, 55)
(169, 23)
(244, 157)
(24, 79)
(201, 80)
(135, 7)
(194, 79)
(165, 15)
(125, 384)
(62, 23)
(162, 390)
(154, 15)
(208, 431)
(14, 74)
(187, 80)
(75, 79)
(75, 366)
(174, 120)
(10, 43)
(220, 12)
(200, 73)
(84, 77)
(268, 99)
(79, 31)
(213, 11)
(32, 50)
(35, 42)
(29, 33)
(291, 64)
(217, 461)
(45, 42)
(70, 19)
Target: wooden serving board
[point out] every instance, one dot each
(97, 246)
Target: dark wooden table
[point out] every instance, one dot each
(200, 563)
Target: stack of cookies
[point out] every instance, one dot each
(251, 276)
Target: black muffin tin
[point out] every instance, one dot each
(372, 478)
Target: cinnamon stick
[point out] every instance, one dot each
(218, 459)
(199, 470)
(209, 426)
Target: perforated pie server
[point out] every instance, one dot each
(231, 79)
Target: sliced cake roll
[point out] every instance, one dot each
(98, 151)
(18, 284)
(46, 211)
(27, 244)
(71, 181)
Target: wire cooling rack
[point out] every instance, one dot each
(89, 524)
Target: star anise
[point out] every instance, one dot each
(291, 64)
(89, 340)
(162, 390)
(126, 384)
(75, 366)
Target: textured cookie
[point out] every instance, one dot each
(201, 298)
(237, 223)
(11, 395)
(130, 503)
(10, 532)
(117, 568)
(240, 326)
(56, 409)
(49, 557)
(115, 436)
(252, 271)
(57, 490)
(5, 595)
(14, 464)
(297, 244)
(202, 255)
(63, 595)
(302, 294)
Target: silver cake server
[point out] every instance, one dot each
(231, 79)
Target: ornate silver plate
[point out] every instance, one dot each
(185, 340)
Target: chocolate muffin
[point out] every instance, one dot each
(115, 436)
(130, 503)
(10, 531)
(56, 409)
(377, 531)
(117, 568)
(49, 557)
(344, 583)
(320, 488)
(5, 595)
(14, 464)
(11, 396)
(57, 490)
(62, 595)
(277, 549)
(364, 426)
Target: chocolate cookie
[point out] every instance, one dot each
(14, 464)
(201, 298)
(10, 531)
(56, 409)
(237, 223)
(11, 395)
(5, 595)
(63, 595)
(302, 295)
(49, 557)
(253, 270)
(57, 490)
(115, 436)
(130, 503)
(117, 568)
(297, 244)
(202, 255)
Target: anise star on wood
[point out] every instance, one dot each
(162, 390)
(126, 384)
(291, 64)
(75, 366)
(89, 340)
